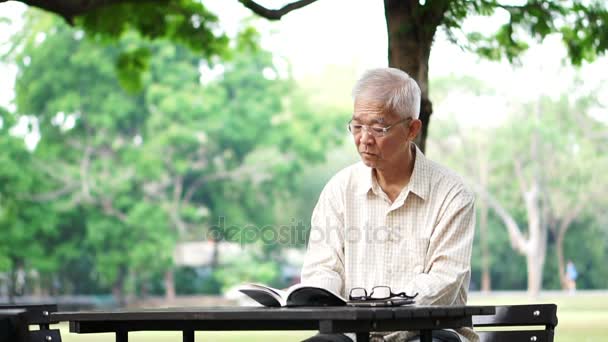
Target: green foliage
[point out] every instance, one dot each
(590, 233)
(247, 269)
(549, 139)
(130, 67)
(191, 281)
(129, 173)
(24, 224)
(582, 25)
(504, 275)
(185, 21)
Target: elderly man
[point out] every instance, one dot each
(396, 218)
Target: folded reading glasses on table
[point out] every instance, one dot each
(377, 293)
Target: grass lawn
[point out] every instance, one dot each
(582, 317)
(170, 336)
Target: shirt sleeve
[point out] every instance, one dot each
(447, 268)
(324, 259)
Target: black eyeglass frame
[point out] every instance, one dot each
(377, 132)
(371, 294)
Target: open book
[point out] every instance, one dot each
(296, 295)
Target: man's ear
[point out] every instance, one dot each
(415, 127)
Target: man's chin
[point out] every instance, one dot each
(370, 162)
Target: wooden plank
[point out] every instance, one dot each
(325, 319)
(35, 313)
(215, 314)
(53, 335)
(516, 335)
(13, 325)
(257, 313)
(511, 315)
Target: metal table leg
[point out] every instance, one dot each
(122, 336)
(426, 335)
(188, 335)
(363, 337)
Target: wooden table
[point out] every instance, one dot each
(325, 319)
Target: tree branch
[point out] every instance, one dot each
(175, 205)
(61, 176)
(435, 12)
(192, 188)
(518, 242)
(178, 186)
(524, 187)
(84, 172)
(108, 208)
(50, 196)
(157, 189)
(181, 225)
(69, 9)
(271, 14)
(585, 123)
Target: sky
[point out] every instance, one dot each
(353, 33)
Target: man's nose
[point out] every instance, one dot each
(366, 137)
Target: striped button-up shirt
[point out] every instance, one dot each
(419, 243)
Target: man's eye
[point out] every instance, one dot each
(378, 129)
(357, 127)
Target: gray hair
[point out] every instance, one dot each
(394, 88)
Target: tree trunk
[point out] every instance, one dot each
(37, 284)
(12, 276)
(535, 263)
(409, 48)
(169, 285)
(537, 243)
(118, 290)
(561, 268)
(16, 279)
(215, 256)
(486, 285)
(561, 237)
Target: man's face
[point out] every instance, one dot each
(389, 151)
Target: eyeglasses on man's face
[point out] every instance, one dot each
(378, 293)
(375, 130)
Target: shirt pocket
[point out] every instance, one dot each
(414, 251)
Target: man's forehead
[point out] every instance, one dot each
(369, 118)
(371, 111)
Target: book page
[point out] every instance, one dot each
(264, 295)
(306, 295)
(292, 288)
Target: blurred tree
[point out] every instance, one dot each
(25, 225)
(574, 189)
(476, 166)
(150, 168)
(88, 123)
(550, 161)
(411, 26)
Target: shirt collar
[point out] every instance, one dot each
(419, 181)
(365, 180)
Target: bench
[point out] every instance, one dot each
(15, 321)
(511, 318)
